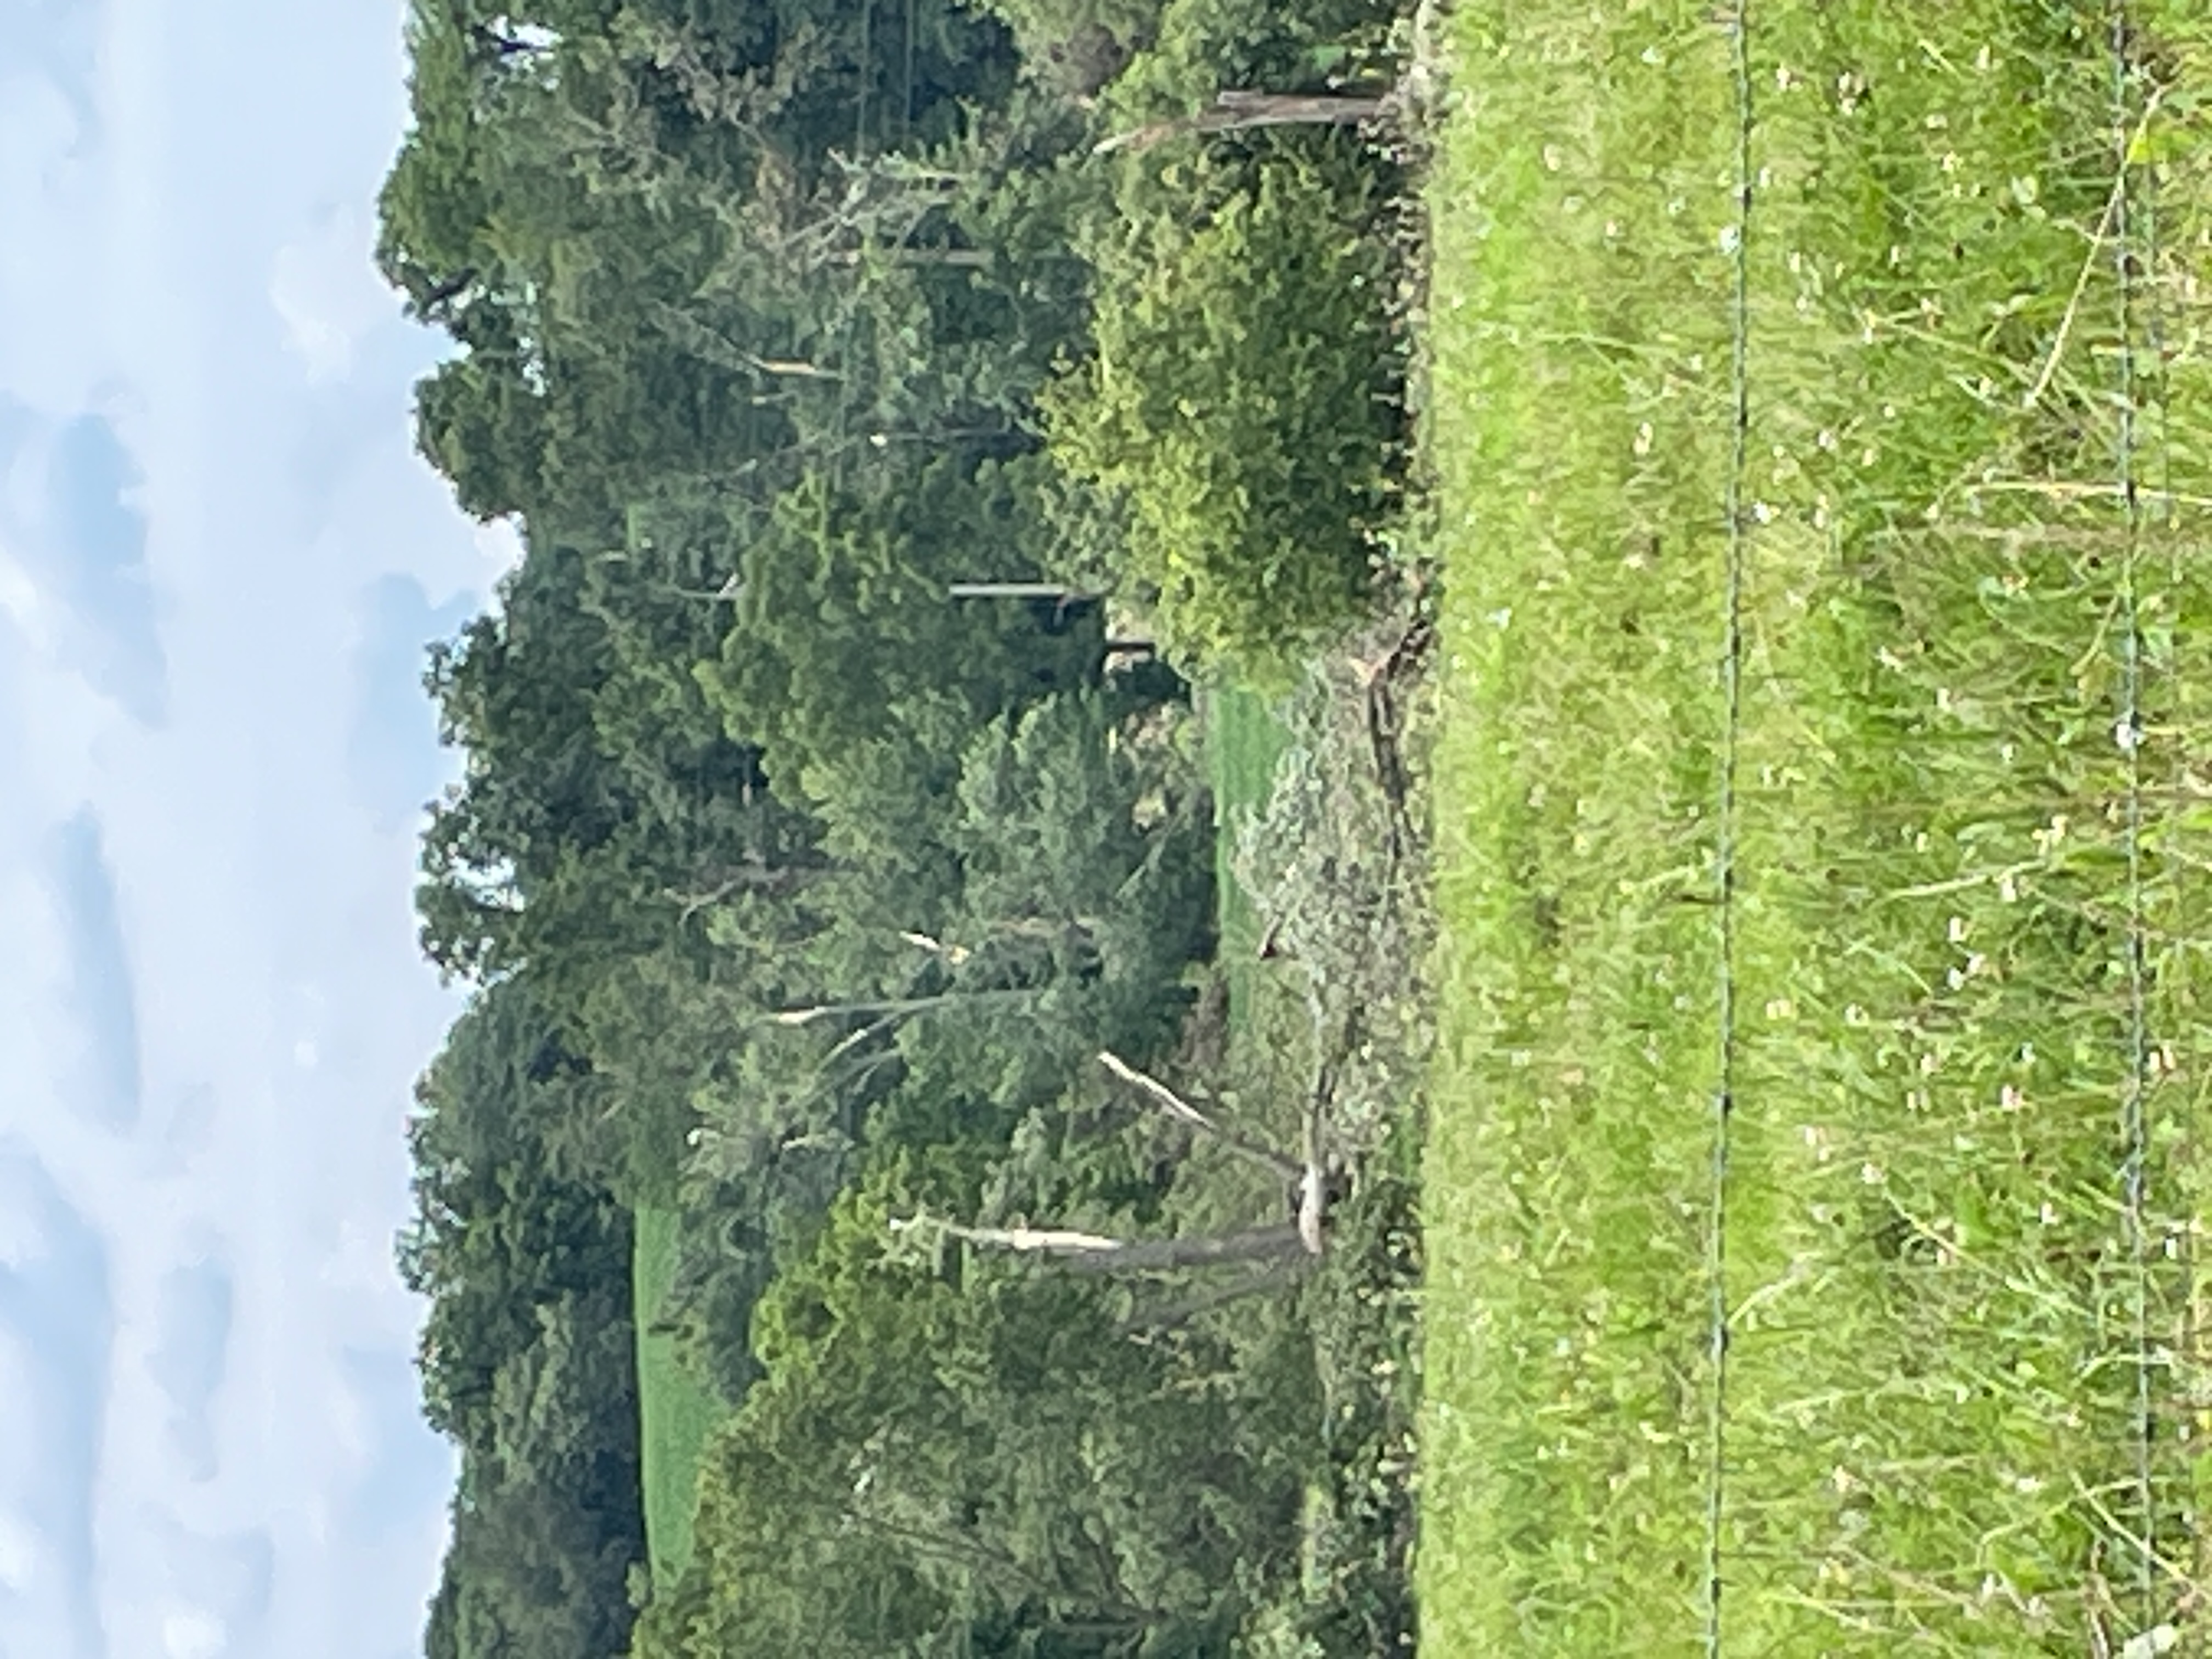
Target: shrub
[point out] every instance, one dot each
(1239, 395)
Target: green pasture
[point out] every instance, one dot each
(1243, 741)
(1822, 423)
(676, 1411)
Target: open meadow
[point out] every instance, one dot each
(676, 1411)
(1821, 421)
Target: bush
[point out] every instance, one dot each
(1240, 395)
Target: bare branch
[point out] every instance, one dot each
(1181, 1110)
(1208, 1250)
(1045, 1241)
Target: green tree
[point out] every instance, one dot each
(861, 679)
(527, 1355)
(1238, 397)
(972, 1451)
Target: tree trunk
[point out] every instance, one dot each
(1237, 112)
(775, 880)
(895, 1008)
(1094, 1253)
(1286, 1169)
(965, 258)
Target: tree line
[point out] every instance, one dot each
(798, 895)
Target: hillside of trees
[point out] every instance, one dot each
(799, 895)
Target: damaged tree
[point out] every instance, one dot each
(1095, 1253)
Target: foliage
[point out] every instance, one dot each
(1238, 393)
(787, 885)
(968, 1447)
(525, 1357)
(1199, 48)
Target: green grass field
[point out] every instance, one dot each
(1823, 428)
(676, 1411)
(1243, 741)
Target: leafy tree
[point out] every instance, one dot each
(796, 893)
(498, 1236)
(969, 1451)
(858, 675)
(527, 1355)
(1237, 395)
(1086, 858)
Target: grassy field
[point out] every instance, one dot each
(1243, 741)
(1823, 428)
(676, 1411)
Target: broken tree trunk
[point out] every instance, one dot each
(1095, 1253)
(965, 258)
(1312, 1182)
(1278, 1243)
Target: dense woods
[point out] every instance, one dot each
(800, 896)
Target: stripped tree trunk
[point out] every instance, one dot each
(966, 258)
(1277, 1244)
(1098, 1254)
(1288, 1169)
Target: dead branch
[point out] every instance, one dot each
(755, 876)
(1176, 1107)
(1276, 1243)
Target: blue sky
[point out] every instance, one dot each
(219, 564)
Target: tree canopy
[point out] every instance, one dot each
(797, 893)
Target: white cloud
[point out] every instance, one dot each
(21, 602)
(35, 1618)
(23, 1550)
(49, 186)
(171, 261)
(499, 545)
(38, 132)
(325, 289)
(73, 571)
(194, 1633)
(23, 1237)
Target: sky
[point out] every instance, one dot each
(220, 562)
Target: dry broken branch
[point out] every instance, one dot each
(1310, 1177)
(1181, 1110)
